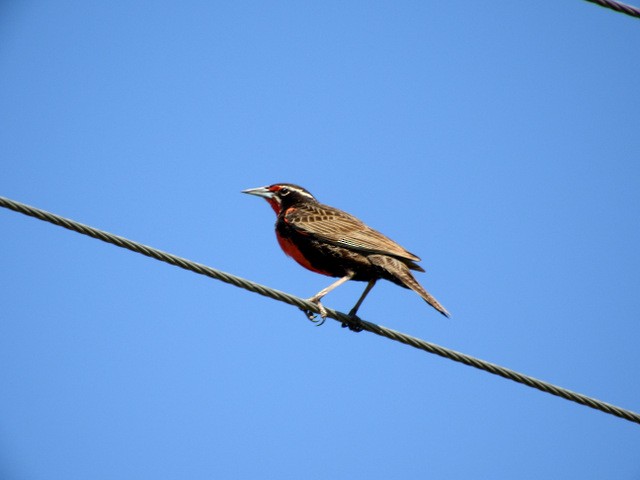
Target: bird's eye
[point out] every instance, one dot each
(284, 191)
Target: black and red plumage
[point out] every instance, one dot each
(327, 240)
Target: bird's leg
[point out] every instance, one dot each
(355, 308)
(316, 298)
(367, 289)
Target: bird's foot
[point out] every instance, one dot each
(313, 315)
(354, 324)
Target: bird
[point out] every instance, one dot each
(332, 242)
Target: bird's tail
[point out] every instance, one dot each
(400, 273)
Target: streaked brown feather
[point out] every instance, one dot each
(336, 227)
(400, 271)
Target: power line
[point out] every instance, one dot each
(305, 305)
(618, 7)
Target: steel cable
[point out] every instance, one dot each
(306, 305)
(618, 7)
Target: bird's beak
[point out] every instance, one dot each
(260, 192)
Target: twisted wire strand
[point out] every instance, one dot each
(618, 7)
(306, 305)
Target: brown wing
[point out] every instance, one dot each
(339, 228)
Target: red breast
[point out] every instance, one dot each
(290, 248)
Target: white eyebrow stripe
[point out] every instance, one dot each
(300, 191)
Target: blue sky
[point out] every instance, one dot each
(498, 141)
